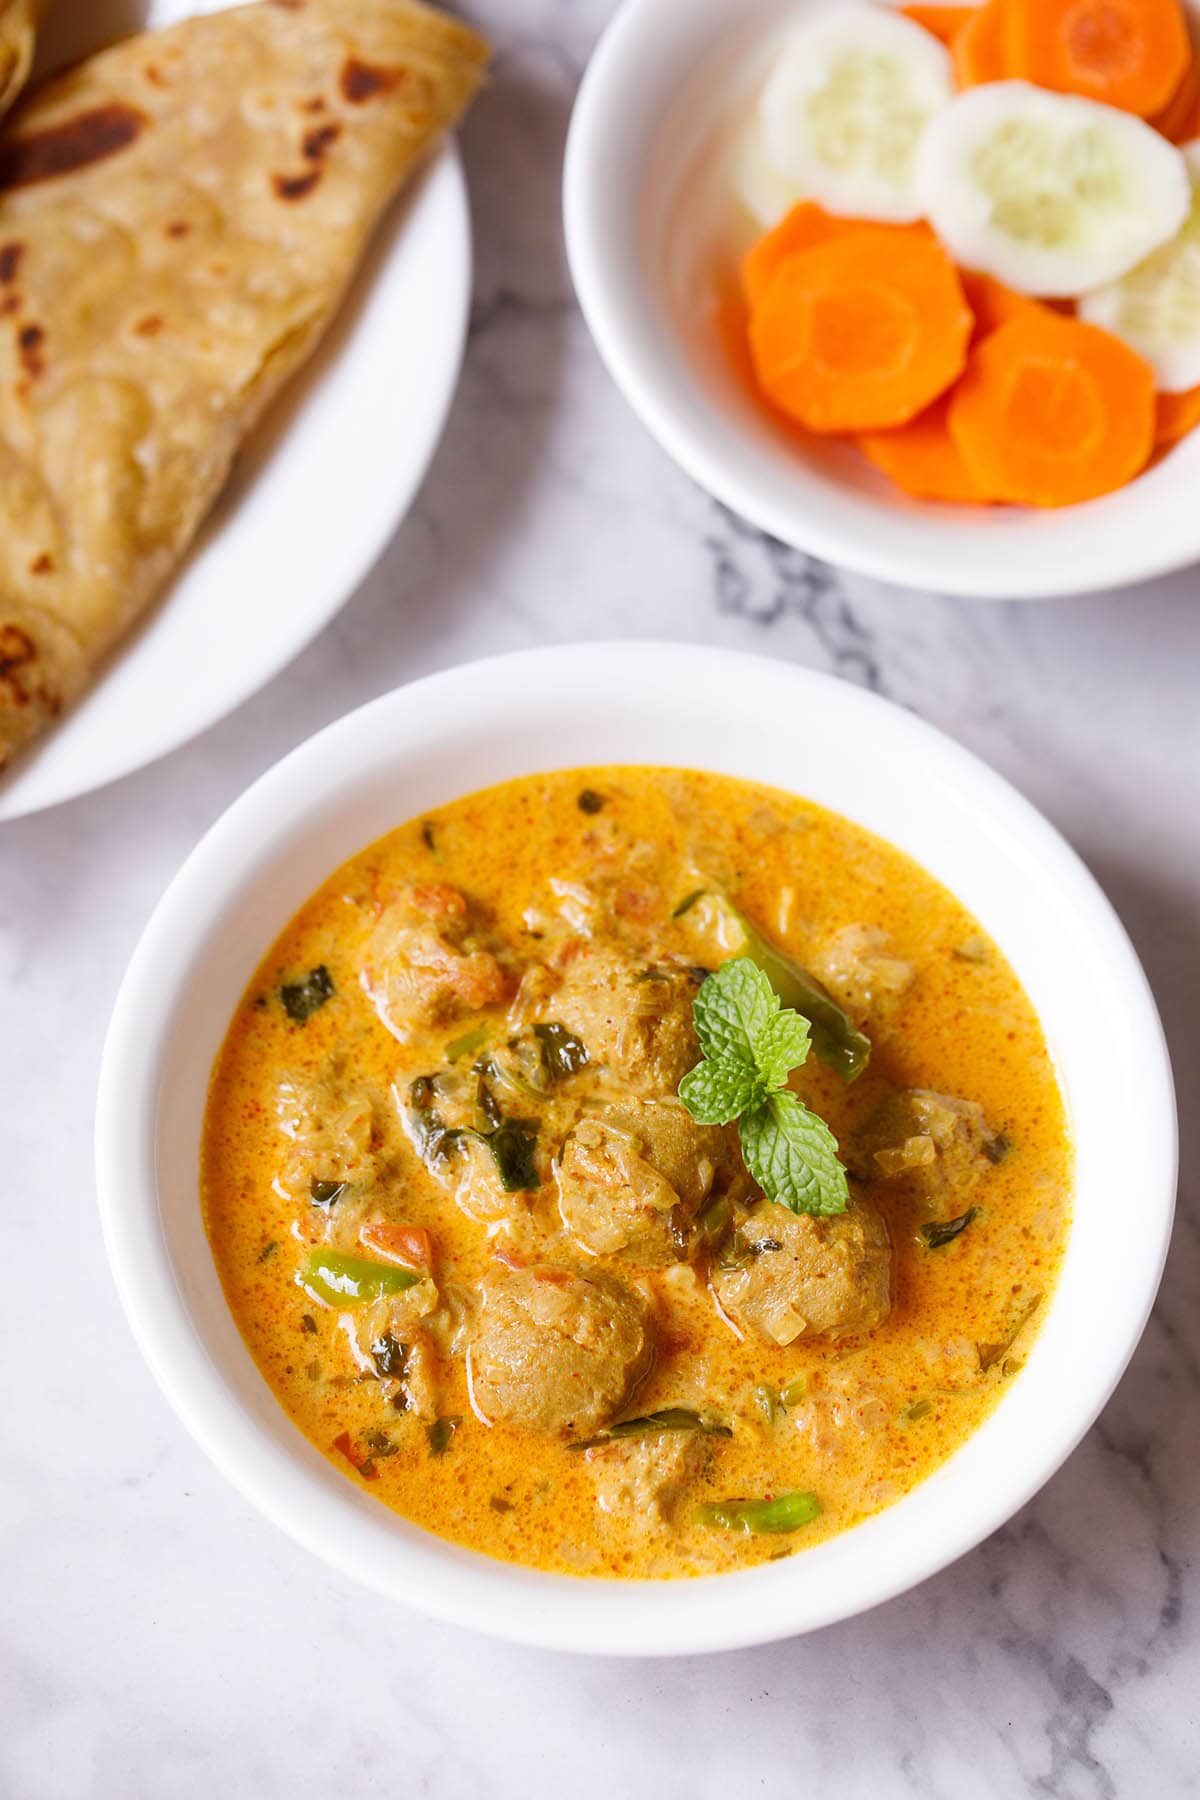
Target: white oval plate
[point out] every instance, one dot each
(319, 491)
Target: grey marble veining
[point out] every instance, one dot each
(157, 1638)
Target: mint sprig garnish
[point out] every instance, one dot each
(751, 1044)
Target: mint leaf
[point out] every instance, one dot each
(750, 1048)
(792, 1154)
(733, 1008)
(781, 1046)
(717, 1092)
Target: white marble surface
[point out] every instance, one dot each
(160, 1640)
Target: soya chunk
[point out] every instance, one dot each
(857, 963)
(631, 1177)
(939, 1145)
(427, 962)
(329, 1124)
(799, 1276)
(557, 1352)
(636, 1476)
(633, 1018)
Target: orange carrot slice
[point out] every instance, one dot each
(1052, 411)
(861, 333)
(923, 459)
(992, 303)
(806, 226)
(1174, 416)
(945, 22)
(978, 48)
(1174, 119)
(1127, 53)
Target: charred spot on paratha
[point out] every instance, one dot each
(10, 262)
(363, 81)
(320, 139)
(72, 144)
(31, 341)
(294, 187)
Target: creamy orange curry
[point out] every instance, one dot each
(492, 1266)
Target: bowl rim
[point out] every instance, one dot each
(981, 568)
(321, 1508)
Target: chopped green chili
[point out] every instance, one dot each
(990, 1354)
(658, 1424)
(467, 1044)
(786, 1512)
(836, 1039)
(341, 1280)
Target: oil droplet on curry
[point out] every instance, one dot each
(491, 1266)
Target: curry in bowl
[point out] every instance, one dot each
(635, 1172)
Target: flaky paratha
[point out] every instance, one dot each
(18, 32)
(179, 218)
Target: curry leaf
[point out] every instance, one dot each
(792, 1154)
(301, 999)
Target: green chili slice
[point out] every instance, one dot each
(341, 1280)
(786, 1512)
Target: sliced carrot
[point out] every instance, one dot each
(1052, 411)
(992, 303)
(806, 226)
(1176, 116)
(860, 333)
(978, 48)
(943, 21)
(923, 459)
(1127, 53)
(1174, 416)
(1189, 128)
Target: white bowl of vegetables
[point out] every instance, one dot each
(929, 309)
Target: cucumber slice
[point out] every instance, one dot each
(1156, 307)
(845, 107)
(763, 191)
(1051, 194)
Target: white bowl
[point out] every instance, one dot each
(419, 748)
(664, 75)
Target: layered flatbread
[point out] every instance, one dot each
(18, 32)
(179, 218)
